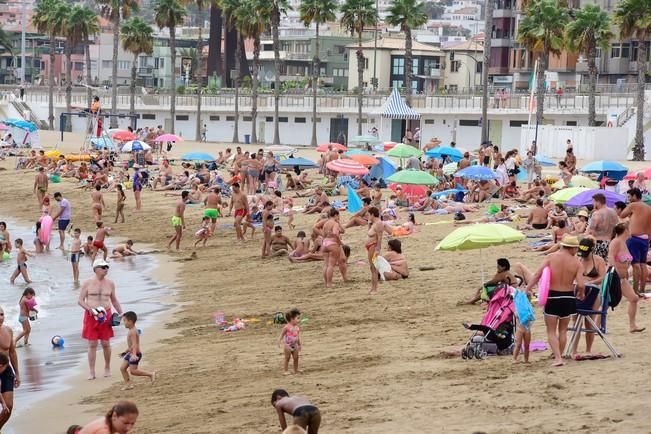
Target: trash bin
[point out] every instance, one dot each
(247, 139)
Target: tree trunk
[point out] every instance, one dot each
(409, 66)
(540, 87)
(360, 83)
(315, 84)
(254, 88)
(89, 75)
(275, 23)
(592, 85)
(488, 30)
(230, 44)
(215, 65)
(173, 94)
(68, 85)
(638, 148)
(236, 115)
(132, 87)
(245, 71)
(50, 83)
(199, 79)
(114, 71)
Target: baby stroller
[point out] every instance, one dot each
(494, 335)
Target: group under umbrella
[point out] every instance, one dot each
(584, 198)
(476, 173)
(443, 152)
(347, 167)
(415, 177)
(197, 156)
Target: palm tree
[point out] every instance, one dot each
(196, 69)
(114, 11)
(5, 41)
(215, 40)
(252, 17)
(589, 30)
(488, 30)
(632, 18)
(137, 38)
(317, 12)
(408, 14)
(170, 13)
(46, 22)
(230, 8)
(278, 8)
(542, 31)
(356, 15)
(82, 23)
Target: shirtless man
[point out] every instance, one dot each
(601, 225)
(537, 218)
(41, 160)
(178, 220)
(306, 415)
(213, 205)
(240, 203)
(280, 244)
(531, 193)
(41, 182)
(321, 201)
(566, 269)
(98, 242)
(640, 229)
(98, 292)
(9, 377)
(165, 174)
(97, 206)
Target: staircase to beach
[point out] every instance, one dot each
(27, 113)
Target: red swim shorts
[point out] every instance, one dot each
(98, 244)
(93, 330)
(240, 213)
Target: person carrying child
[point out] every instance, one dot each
(290, 339)
(132, 356)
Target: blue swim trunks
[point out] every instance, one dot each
(639, 248)
(74, 257)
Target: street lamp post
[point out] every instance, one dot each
(375, 82)
(23, 30)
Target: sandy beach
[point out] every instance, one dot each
(372, 364)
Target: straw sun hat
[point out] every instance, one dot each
(570, 241)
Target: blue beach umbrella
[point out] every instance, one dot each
(197, 156)
(610, 169)
(544, 161)
(357, 152)
(385, 169)
(102, 143)
(303, 163)
(477, 173)
(135, 146)
(445, 151)
(448, 192)
(354, 201)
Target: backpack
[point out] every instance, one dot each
(611, 288)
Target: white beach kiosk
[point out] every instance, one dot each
(400, 113)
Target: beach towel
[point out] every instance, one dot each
(381, 265)
(523, 309)
(354, 202)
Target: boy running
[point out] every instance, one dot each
(132, 356)
(21, 260)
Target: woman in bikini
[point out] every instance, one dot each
(270, 167)
(376, 196)
(373, 244)
(331, 247)
(252, 174)
(137, 186)
(398, 262)
(620, 258)
(360, 218)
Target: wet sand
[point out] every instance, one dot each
(371, 364)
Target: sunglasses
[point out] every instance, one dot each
(103, 267)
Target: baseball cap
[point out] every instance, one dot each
(586, 246)
(100, 263)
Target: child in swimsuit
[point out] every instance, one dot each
(204, 232)
(75, 253)
(21, 261)
(268, 227)
(248, 221)
(290, 339)
(301, 245)
(27, 305)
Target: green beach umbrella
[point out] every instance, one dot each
(365, 139)
(404, 151)
(562, 196)
(480, 236)
(577, 181)
(414, 177)
(450, 168)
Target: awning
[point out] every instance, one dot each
(396, 108)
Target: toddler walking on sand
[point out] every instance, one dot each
(290, 339)
(204, 232)
(132, 356)
(27, 305)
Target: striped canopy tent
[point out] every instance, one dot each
(396, 108)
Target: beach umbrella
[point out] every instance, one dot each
(354, 201)
(123, 135)
(577, 181)
(609, 169)
(197, 156)
(135, 146)
(352, 152)
(544, 161)
(302, 163)
(366, 160)
(386, 146)
(365, 139)
(415, 177)
(646, 172)
(450, 168)
(280, 150)
(480, 236)
(565, 194)
(3, 127)
(438, 194)
(411, 191)
(102, 143)
(445, 151)
(404, 151)
(347, 167)
(21, 124)
(323, 147)
(385, 169)
(585, 198)
(168, 138)
(477, 173)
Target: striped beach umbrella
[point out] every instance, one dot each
(347, 167)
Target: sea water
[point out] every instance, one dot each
(43, 368)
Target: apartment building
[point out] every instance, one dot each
(463, 66)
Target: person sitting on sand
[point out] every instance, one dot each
(423, 204)
(280, 244)
(360, 218)
(538, 216)
(399, 268)
(122, 250)
(503, 276)
(120, 419)
(531, 193)
(556, 215)
(558, 232)
(306, 415)
(401, 198)
(407, 228)
(320, 202)
(300, 246)
(580, 223)
(481, 191)
(363, 190)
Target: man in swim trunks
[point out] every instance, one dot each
(97, 205)
(178, 220)
(64, 215)
(240, 203)
(213, 204)
(537, 218)
(280, 244)
(41, 182)
(306, 415)
(165, 174)
(98, 292)
(640, 229)
(566, 270)
(9, 377)
(601, 225)
(98, 242)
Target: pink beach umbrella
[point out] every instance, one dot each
(646, 172)
(3, 127)
(168, 138)
(347, 167)
(323, 147)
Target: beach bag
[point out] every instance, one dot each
(611, 288)
(459, 216)
(523, 309)
(279, 318)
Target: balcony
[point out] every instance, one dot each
(618, 65)
(146, 71)
(433, 73)
(503, 13)
(298, 56)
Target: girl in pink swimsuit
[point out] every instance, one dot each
(290, 338)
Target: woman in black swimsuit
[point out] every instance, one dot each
(594, 271)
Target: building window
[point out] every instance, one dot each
(397, 84)
(398, 66)
(300, 120)
(283, 119)
(517, 124)
(429, 121)
(161, 62)
(626, 50)
(468, 123)
(124, 64)
(366, 63)
(246, 119)
(149, 116)
(455, 65)
(107, 64)
(571, 123)
(269, 119)
(478, 67)
(230, 118)
(182, 117)
(214, 118)
(616, 51)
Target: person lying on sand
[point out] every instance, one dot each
(360, 218)
(503, 215)
(557, 234)
(122, 250)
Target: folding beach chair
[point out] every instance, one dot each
(583, 318)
